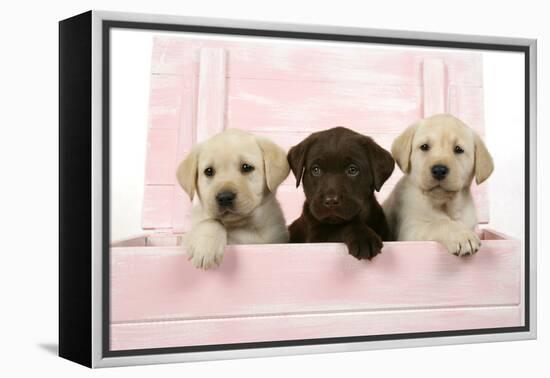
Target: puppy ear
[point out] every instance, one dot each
(381, 161)
(187, 172)
(297, 158)
(402, 147)
(483, 163)
(275, 163)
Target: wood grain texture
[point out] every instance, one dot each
(178, 333)
(161, 152)
(435, 87)
(317, 290)
(212, 93)
(165, 101)
(311, 61)
(287, 91)
(287, 106)
(308, 278)
(158, 206)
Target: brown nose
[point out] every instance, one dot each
(331, 200)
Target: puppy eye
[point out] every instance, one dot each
(352, 170)
(209, 172)
(245, 168)
(425, 147)
(316, 170)
(458, 150)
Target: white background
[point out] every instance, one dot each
(28, 148)
(503, 74)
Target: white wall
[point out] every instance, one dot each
(28, 156)
(131, 57)
(131, 67)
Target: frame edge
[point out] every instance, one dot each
(75, 331)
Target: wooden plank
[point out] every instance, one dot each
(161, 156)
(157, 207)
(171, 240)
(287, 106)
(165, 101)
(181, 216)
(212, 93)
(156, 283)
(434, 87)
(313, 61)
(467, 104)
(179, 333)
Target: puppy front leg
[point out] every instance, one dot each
(205, 244)
(455, 236)
(297, 231)
(361, 240)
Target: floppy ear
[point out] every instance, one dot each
(483, 162)
(297, 158)
(187, 172)
(275, 163)
(402, 147)
(381, 161)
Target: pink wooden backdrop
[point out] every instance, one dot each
(285, 92)
(159, 299)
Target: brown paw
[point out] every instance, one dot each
(364, 246)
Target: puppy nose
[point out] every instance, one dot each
(439, 171)
(225, 199)
(331, 201)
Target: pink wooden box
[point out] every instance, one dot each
(300, 291)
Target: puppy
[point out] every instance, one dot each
(235, 176)
(340, 170)
(440, 156)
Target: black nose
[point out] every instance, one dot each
(439, 171)
(331, 201)
(225, 199)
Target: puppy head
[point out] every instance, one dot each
(340, 170)
(442, 155)
(232, 172)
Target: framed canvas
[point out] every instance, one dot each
(141, 94)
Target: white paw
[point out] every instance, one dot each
(462, 242)
(204, 252)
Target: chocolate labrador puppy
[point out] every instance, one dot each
(340, 170)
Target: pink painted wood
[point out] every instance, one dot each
(310, 61)
(286, 92)
(178, 333)
(198, 88)
(419, 279)
(212, 93)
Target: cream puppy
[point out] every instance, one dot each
(440, 156)
(235, 176)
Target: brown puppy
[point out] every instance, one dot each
(340, 170)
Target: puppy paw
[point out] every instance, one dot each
(364, 246)
(462, 243)
(205, 252)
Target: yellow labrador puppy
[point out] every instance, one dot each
(440, 156)
(235, 176)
